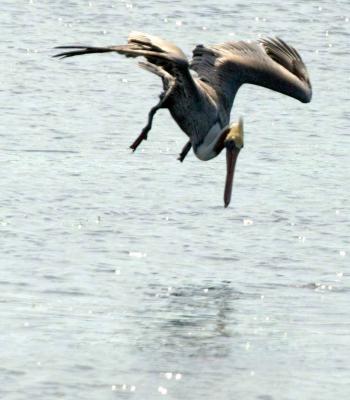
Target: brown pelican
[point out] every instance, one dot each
(201, 103)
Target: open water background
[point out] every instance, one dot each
(122, 275)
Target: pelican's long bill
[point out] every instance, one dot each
(231, 158)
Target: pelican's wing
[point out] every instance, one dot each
(156, 50)
(268, 62)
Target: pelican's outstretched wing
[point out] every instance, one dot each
(268, 62)
(156, 50)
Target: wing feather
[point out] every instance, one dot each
(153, 48)
(157, 51)
(268, 62)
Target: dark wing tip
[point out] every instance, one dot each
(80, 50)
(71, 47)
(287, 56)
(277, 45)
(74, 51)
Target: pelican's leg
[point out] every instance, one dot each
(184, 151)
(146, 129)
(169, 82)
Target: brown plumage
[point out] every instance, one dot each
(201, 104)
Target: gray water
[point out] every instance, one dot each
(122, 275)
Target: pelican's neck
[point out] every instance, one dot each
(214, 141)
(205, 150)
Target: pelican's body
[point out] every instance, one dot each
(201, 105)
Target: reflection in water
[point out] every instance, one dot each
(197, 319)
(114, 269)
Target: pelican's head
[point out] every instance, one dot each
(234, 136)
(233, 143)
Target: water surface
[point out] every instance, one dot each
(122, 275)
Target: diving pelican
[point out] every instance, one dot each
(201, 103)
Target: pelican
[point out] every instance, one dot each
(199, 93)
